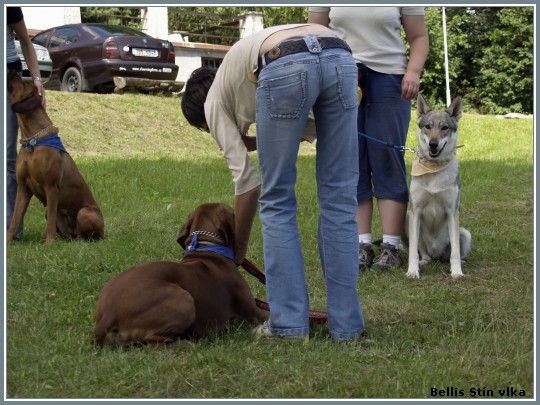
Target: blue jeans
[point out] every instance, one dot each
(12, 133)
(287, 89)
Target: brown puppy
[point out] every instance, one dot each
(160, 301)
(46, 170)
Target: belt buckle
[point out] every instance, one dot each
(321, 42)
(273, 53)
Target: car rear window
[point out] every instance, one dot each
(115, 30)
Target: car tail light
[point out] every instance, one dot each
(110, 50)
(172, 56)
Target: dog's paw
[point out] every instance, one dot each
(455, 269)
(413, 274)
(423, 262)
(456, 274)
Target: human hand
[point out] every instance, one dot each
(410, 86)
(41, 91)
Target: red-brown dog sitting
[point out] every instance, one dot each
(162, 301)
(46, 170)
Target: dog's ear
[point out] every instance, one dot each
(28, 104)
(227, 225)
(185, 232)
(11, 75)
(422, 108)
(455, 108)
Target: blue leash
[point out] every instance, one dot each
(397, 147)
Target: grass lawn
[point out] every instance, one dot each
(471, 337)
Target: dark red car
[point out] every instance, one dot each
(87, 56)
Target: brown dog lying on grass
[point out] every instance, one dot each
(46, 170)
(160, 301)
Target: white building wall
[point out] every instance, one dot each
(41, 18)
(155, 22)
(187, 62)
(190, 59)
(72, 15)
(250, 24)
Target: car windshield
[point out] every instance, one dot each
(115, 30)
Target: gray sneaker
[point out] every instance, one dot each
(365, 256)
(388, 259)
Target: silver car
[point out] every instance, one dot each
(44, 62)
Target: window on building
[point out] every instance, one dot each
(211, 62)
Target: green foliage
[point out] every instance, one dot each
(213, 25)
(432, 78)
(127, 16)
(148, 169)
(506, 72)
(284, 15)
(490, 55)
(220, 25)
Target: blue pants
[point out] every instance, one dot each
(385, 116)
(12, 133)
(288, 88)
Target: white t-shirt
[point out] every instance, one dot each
(373, 33)
(230, 106)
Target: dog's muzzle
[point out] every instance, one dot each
(434, 150)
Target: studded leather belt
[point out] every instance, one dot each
(299, 45)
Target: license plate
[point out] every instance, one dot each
(147, 53)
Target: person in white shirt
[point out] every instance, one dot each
(389, 82)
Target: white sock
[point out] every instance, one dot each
(392, 240)
(365, 238)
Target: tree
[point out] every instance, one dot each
(490, 53)
(284, 15)
(506, 72)
(128, 16)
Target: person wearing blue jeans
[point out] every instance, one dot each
(274, 78)
(16, 27)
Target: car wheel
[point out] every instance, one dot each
(72, 81)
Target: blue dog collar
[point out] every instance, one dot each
(219, 249)
(52, 141)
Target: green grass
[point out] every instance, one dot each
(148, 169)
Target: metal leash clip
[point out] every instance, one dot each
(406, 149)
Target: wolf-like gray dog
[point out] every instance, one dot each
(432, 229)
